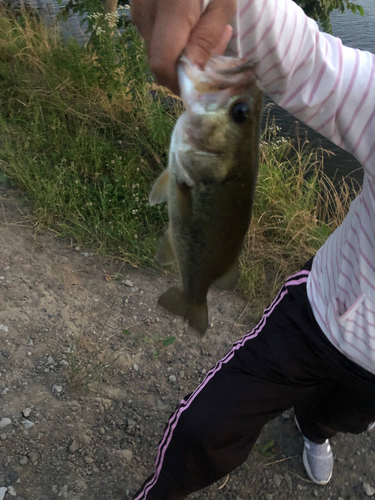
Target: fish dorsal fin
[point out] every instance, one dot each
(159, 191)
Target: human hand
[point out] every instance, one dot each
(171, 26)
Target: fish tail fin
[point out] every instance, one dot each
(198, 317)
(176, 302)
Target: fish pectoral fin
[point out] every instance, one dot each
(176, 302)
(230, 278)
(165, 254)
(159, 191)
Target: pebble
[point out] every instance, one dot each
(57, 388)
(135, 366)
(12, 491)
(3, 328)
(125, 455)
(28, 424)
(3, 490)
(277, 480)
(74, 406)
(6, 354)
(269, 496)
(368, 489)
(74, 446)
(33, 456)
(50, 360)
(128, 283)
(5, 391)
(4, 422)
(172, 378)
(63, 363)
(288, 480)
(26, 412)
(24, 460)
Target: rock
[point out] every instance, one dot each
(125, 455)
(3, 328)
(368, 489)
(5, 422)
(86, 439)
(277, 480)
(127, 283)
(5, 391)
(63, 362)
(3, 490)
(74, 446)
(6, 354)
(288, 481)
(26, 412)
(57, 388)
(135, 366)
(269, 496)
(12, 491)
(172, 378)
(50, 360)
(28, 424)
(33, 456)
(24, 460)
(74, 406)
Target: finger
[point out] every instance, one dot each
(173, 24)
(210, 32)
(224, 40)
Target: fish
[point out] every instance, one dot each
(209, 182)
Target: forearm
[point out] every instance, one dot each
(311, 74)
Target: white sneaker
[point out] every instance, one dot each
(317, 459)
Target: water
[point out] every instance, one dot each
(357, 32)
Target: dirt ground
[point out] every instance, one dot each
(86, 385)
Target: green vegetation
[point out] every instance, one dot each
(85, 131)
(296, 208)
(83, 136)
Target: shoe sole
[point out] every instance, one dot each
(308, 470)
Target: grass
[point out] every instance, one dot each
(296, 208)
(85, 131)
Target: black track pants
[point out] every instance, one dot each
(285, 361)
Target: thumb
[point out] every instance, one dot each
(212, 33)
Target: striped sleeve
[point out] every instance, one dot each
(325, 84)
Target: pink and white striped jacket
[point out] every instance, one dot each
(331, 88)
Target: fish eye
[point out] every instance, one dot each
(239, 112)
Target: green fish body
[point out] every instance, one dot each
(209, 183)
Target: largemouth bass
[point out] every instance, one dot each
(209, 183)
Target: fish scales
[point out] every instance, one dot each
(210, 181)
